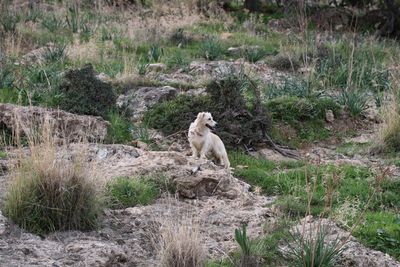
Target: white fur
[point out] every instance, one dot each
(203, 142)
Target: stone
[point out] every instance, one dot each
(137, 101)
(156, 67)
(3, 221)
(65, 125)
(329, 117)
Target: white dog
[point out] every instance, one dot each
(203, 142)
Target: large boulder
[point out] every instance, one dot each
(65, 125)
(137, 101)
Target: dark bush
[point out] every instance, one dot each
(85, 94)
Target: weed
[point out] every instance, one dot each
(142, 66)
(182, 246)
(155, 53)
(124, 192)
(254, 54)
(56, 53)
(355, 101)
(3, 154)
(52, 23)
(285, 63)
(309, 252)
(73, 17)
(9, 22)
(119, 131)
(248, 257)
(211, 48)
(142, 133)
(381, 230)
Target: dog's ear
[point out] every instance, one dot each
(200, 115)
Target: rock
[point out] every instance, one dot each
(137, 101)
(371, 113)
(3, 221)
(65, 125)
(270, 154)
(156, 67)
(329, 117)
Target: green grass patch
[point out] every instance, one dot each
(381, 231)
(3, 154)
(119, 131)
(124, 192)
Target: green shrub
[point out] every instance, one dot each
(290, 108)
(177, 114)
(126, 192)
(3, 154)
(155, 53)
(248, 248)
(49, 195)
(85, 94)
(73, 17)
(211, 49)
(119, 132)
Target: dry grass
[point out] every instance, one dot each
(182, 246)
(49, 192)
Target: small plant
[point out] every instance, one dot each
(52, 23)
(106, 35)
(73, 18)
(33, 15)
(211, 48)
(3, 154)
(254, 54)
(314, 251)
(85, 32)
(119, 132)
(55, 53)
(9, 21)
(142, 133)
(142, 66)
(155, 53)
(182, 246)
(290, 87)
(126, 192)
(178, 60)
(355, 101)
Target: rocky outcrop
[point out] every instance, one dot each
(137, 101)
(65, 125)
(193, 178)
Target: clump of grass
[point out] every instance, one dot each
(55, 53)
(211, 49)
(182, 246)
(52, 23)
(119, 131)
(354, 101)
(314, 251)
(73, 17)
(9, 22)
(49, 193)
(248, 249)
(389, 134)
(126, 192)
(254, 54)
(3, 154)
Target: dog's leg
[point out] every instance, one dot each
(204, 151)
(195, 152)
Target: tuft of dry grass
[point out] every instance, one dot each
(388, 139)
(182, 246)
(48, 191)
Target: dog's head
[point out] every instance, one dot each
(206, 120)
